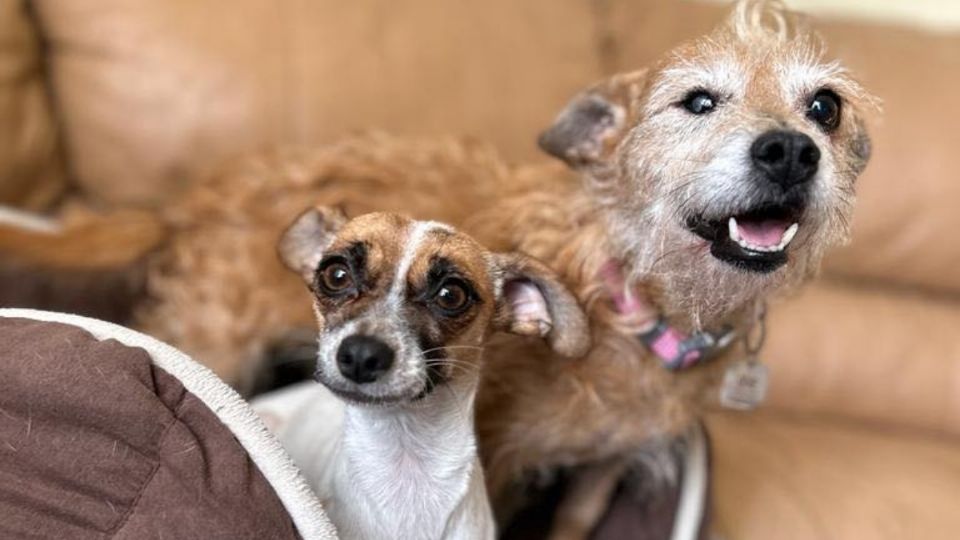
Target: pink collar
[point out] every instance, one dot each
(675, 349)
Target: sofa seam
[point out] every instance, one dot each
(61, 155)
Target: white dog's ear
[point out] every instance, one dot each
(591, 126)
(302, 244)
(533, 302)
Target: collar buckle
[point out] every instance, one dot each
(677, 351)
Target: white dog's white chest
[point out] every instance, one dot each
(383, 474)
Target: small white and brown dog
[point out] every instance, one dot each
(404, 308)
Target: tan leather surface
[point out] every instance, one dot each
(787, 478)
(906, 211)
(875, 355)
(907, 217)
(150, 90)
(30, 172)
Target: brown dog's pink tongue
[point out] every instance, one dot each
(766, 233)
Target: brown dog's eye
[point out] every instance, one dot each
(824, 109)
(699, 102)
(335, 278)
(452, 297)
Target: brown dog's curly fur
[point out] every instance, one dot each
(613, 400)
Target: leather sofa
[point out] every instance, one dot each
(121, 103)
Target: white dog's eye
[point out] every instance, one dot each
(452, 297)
(699, 102)
(335, 278)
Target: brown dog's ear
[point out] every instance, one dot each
(302, 244)
(533, 302)
(591, 126)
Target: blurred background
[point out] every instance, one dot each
(124, 103)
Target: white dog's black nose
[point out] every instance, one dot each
(364, 359)
(786, 158)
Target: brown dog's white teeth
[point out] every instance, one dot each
(734, 230)
(785, 239)
(788, 236)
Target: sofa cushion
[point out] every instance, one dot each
(794, 478)
(903, 218)
(151, 91)
(866, 354)
(30, 168)
(905, 210)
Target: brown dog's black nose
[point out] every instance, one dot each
(786, 158)
(364, 359)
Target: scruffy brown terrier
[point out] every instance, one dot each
(713, 179)
(708, 182)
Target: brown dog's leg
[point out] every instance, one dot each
(586, 499)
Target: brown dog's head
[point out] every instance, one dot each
(405, 306)
(729, 167)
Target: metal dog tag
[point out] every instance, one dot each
(744, 385)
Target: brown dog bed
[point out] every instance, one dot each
(107, 433)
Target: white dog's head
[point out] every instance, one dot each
(405, 306)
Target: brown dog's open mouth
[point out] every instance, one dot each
(756, 240)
